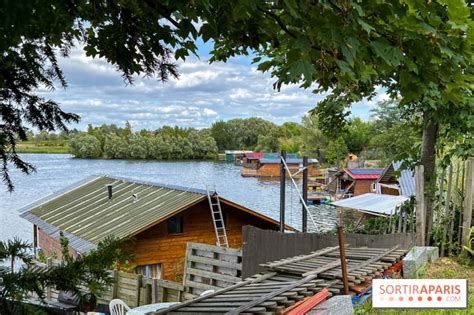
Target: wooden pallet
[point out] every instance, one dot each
(290, 280)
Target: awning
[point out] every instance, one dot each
(375, 204)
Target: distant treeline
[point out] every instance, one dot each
(386, 135)
(167, 143)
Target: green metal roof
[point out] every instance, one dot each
(86, 214)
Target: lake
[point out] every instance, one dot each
(55, 171)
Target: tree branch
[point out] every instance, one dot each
(278, 20)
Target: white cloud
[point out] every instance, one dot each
(203, 94)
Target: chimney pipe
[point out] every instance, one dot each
(109, 190)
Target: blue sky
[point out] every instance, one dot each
(204, 93)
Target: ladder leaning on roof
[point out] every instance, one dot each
(217, 218)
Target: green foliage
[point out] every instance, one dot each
(85, 146)
(396, 133)
(241, 133)
(335, 151)
(87, 276)
(268, 143)
(166, 143)
(419, 51)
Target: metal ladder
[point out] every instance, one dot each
(217, 218)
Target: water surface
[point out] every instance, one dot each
(55, 171)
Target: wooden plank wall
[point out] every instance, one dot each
(261, 246)
(209, 267)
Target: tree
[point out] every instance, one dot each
(268, 143)
(15, 249)
(115, 147)
(357, 135)
(138, 147)
(85, 146)
(87, 277)
(419, 51)
(223, 135)
(395, 136)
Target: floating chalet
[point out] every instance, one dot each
(354, 181)
(160, 218)
(257, 164)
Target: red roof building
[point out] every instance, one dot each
(355, 181)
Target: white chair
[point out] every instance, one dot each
(118, 307)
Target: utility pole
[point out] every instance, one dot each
(282, 190)
(305, 195)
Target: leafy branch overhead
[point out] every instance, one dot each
(419, 51)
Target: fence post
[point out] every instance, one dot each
(154, 291)
(115, 284)
(468, 200)
(447, 204)
(49, 263)
(139, 284)
(420, 205)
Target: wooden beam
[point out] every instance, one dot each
(446, 217)
(300, 258)
(468, 201)
(420, 205)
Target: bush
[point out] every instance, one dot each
(85, 146)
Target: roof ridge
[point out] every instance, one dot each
(156, 184)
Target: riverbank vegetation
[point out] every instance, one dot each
(385, 136)
(166, 143)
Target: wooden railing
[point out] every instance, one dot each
(210, 267)
(133, 289)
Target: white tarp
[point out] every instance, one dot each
(375, 204)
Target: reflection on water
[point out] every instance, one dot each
(58, 170)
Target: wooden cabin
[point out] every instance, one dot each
(234, 155)
(395, 181)
(354, 181)
(161, 219)
(269, 165)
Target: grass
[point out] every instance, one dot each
(56, 146)
(443, 268)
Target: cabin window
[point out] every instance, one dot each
(175, 225)
(149, 271)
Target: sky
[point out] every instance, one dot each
(203, 94)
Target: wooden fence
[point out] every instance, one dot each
(209, 267)
(452, 207)
(261, 246)
(133, 289)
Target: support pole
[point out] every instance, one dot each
(282, 190)
(342, 253)
(304, 214)
(35, 239)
